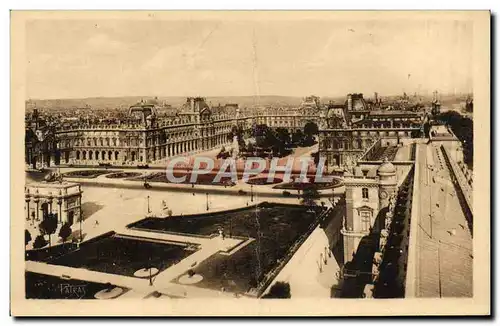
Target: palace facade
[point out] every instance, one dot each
(144, 136)
(348, 130)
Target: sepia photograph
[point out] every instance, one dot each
(250, 163)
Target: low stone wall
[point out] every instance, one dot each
(411, 269)
(464, 191)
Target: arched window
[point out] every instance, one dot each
(77, 155)
(364, 192)
(84, 154)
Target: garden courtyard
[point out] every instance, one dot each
(258, 237)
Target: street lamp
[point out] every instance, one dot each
(27, 199)
(49, 199)
(149, 211)
(81, 218)
(59, 202)
(150, 273)
(37, 201)
(251, 193)
(207, 202)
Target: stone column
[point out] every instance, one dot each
(27, 199)
(37, 202)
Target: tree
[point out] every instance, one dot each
(463, 128)
(309, 195)
(27, 237)
(40, 242)
(65, 232)
(427, 128)
(280, 290)
(311, 129)
(263, 136)
(298, 137)
(250, 148)
(283, 136)
(49, 225)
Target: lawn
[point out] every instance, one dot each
(263, 181)
(122, 175)
(87, 173)
(202, 179)
(39, 286)
(275, 228)
(124, 256)
(318, 186)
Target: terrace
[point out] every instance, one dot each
(40, 286)
(276, 231)
(117, 254)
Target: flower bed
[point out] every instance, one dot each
(122, 175)
(87, 173)
(275, 229)
(263, 181)
(202, 179)
(318, 186)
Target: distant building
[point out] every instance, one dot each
(145, 136)
(346, 134)
(40, 142)
(436, 105)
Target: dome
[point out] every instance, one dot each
(386, 168)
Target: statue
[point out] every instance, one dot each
(236, 147)
(388, 220)
(53, 177)
(383, 239)
(323, 122)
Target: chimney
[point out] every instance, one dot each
(349, 102)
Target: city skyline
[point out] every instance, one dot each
(113, 58)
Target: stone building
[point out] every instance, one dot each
(144, 136)
(61, 198)
(365, 197)
(344, 135)
(40, 142)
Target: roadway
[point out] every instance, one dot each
(444, 241)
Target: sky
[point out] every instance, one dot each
(107, 58)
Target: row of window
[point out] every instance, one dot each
(97, 155)
(368, 133)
